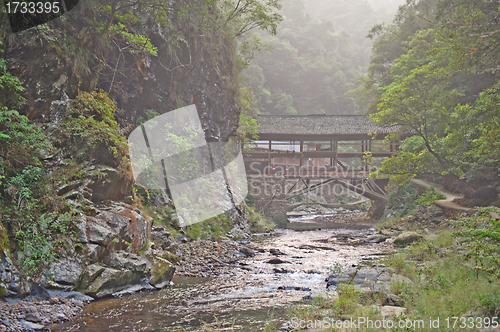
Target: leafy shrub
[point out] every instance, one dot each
(406, 198)
(91, 125)
(481, 236)
(428, 197)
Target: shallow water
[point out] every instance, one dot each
(246, 299)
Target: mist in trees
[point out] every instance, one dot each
(316, 57)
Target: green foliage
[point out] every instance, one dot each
(481, 235)
(90, 124)
(245, 15)
(405, 198)
(214, 228)
(41, 239)
(428, 197)
(257, 222)
(137, 42)
(442, 285)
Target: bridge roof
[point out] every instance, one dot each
(343, 126)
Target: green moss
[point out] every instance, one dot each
(4, 240)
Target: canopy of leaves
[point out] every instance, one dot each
(433, 73)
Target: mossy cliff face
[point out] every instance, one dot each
(87, 84)
(194, 64)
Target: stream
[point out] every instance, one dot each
(251, 295)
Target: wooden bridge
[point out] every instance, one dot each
(311, 151)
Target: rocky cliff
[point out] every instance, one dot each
(87, 80)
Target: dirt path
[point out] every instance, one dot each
(446, 203)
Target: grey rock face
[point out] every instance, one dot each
(10, 278)
(163, 239)
(124, 260)
(66, 271)
(99, 232)
(110, 281)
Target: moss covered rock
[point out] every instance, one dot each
(162, 270)
(407, 238)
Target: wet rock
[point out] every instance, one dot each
(112, 281)
(31, 326)
(276, 252)
(281, 270)
(38, 292)
(162, 271)
(134, 289)
(376, 238)
(277, 261)
(56, 295)
(407, 238)
(247, 251)
(66, 271)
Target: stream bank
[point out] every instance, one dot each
(258, 281)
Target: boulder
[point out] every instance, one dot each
(276, 261)
(366, 276)
(124, 260)
(275, 252)
(111, 281)
(407, 238)
(247, 251)
(338, 278)
(65, 272)
(81, 225)
(393, 300)
(30, 326)
(162, 271)
(116, 221)
(56, 295)
(88, 276)
(376, 238)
